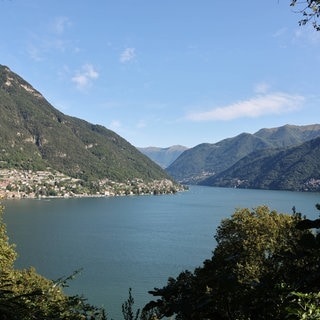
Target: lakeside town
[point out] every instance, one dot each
(18, 184)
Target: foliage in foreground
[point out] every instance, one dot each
(265, 266)
(310, 10)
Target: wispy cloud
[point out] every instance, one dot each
(84, 77)
(34, 52)
(60, 24)
(280, 32)
(50, 39)
(127, 55)
(261, 105)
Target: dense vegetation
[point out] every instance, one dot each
(266, 265)
(34, 136)
(205, 160)
(295, 168)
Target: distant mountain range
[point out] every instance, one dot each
(163, 156)
(36, 136)
(277, 158)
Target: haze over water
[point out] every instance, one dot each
(135, 242)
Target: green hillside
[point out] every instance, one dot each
(199, 163)
(34, 136)
(206, 159)
(295, 168)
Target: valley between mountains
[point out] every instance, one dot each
(45, 153)
(283, 158)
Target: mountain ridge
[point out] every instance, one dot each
(293, 168)
(163, 156)
(36, 136)
(204, 160)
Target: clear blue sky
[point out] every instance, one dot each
(165, 72)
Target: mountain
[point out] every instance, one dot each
(163, 156)
(204, 160)
(294, 168)
(36, 136)
(289, 135)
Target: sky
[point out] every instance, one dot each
(167, 72)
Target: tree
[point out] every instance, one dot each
(127, 308)
(306, 305)
(257, 263)
(179, 298)
(7, 251)
(310, 10)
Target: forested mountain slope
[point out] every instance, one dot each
(34, 136)
(199, 163)
(294, 168)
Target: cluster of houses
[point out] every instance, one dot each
(43, 184)
(311, 185)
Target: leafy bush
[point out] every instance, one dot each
(259, 260)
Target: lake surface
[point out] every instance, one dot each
(135, 241)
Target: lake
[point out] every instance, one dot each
(134, 241)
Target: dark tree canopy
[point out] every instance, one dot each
(310, 10)
(261, 260)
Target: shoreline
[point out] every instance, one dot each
(79, 196)
(22, 184)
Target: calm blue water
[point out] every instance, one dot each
(135, 242)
